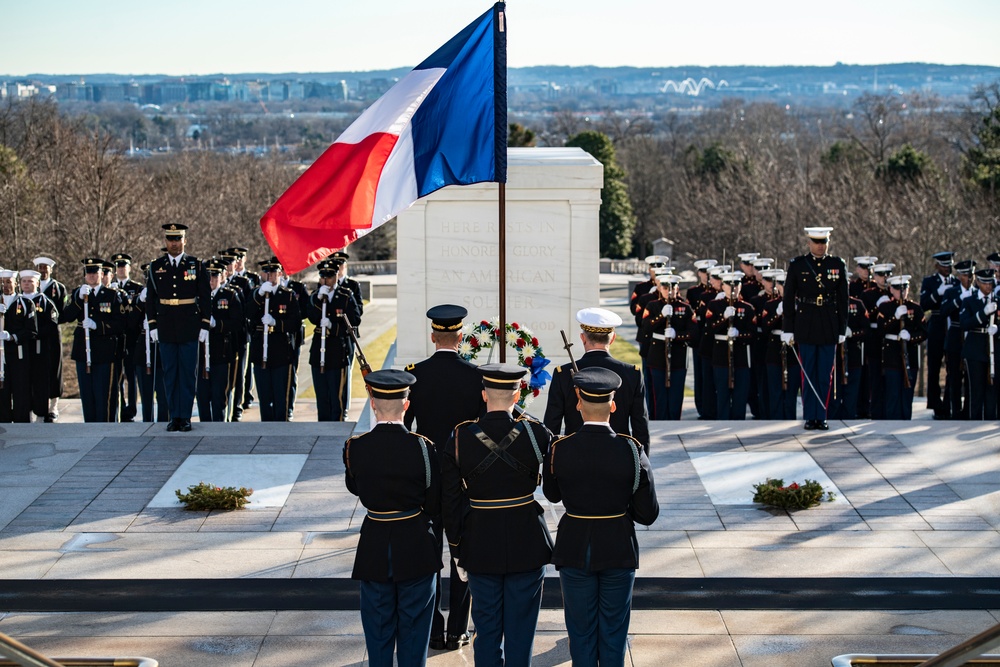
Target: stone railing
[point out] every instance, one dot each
(372, 268)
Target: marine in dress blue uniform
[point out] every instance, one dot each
(496, 530)
(706, 348)
(758, 346)
(731, 321)
(329, 369)
(862, 281)
(598, 332)
(55, 292)
(642, 303)
(978, 319)
(396, 475)
(694, 298)
(667, 323)
(932, 290)
(302, 292)
(275, 318)
(846, 399)
(448, 391)
(901, 323)
(815, 315)
(956, 385)
(178, 308)
(128, 382)
(784, 377)
(873, 297)
(605, 482)
(215, 384)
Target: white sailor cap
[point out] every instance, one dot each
(818, 233)
(719, 269)
(28, 273)
(43, 260)
(763, 262)
(657, 260)
(748, 257)
(866, 261)
(7, 273)
(899, 281)
(883, 269)
(705, 264)
(597, 320)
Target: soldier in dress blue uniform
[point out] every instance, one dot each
(598, 332)
(654, 263)
(248, 281)
(784, 377)
(932, 291)
(816, 319)
(845, 403)
(20, 333)
(901, 323)
(448, 391)
(47, 323)
(178, 308)
(227, 326)
(956, 384)
(302, 293)
(344, 280)
(706, 348)
(329, 368)
(604, 481)
(55, 292)
(496, 530)
(396, 476)
(979, 321)
(101, 311)
(862, 281)
(147, 360)
(641, 304)
(128, 384)
(694, 297)
(758, 347)
(667, 320)
(731, 321)
(873, 297)
(273, 312)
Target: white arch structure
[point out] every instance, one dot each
(690, 86)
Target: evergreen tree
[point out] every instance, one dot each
(617, 222)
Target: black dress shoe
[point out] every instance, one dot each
(185, 425)
(455, 641)
(822, 425)
(810, 425)
(437, 643)
(173, 425)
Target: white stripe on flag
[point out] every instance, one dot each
(397, 186)
(392, 112)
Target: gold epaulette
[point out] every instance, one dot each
(422, 436)
(558, 369)
(637, 367)
(410, 367)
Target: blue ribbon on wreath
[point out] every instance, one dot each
(539, 376)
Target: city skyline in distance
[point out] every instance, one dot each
(183, 37)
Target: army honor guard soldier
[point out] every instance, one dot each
(130, 290)
(396, 476)
(215, 380)
(332, 346)
(275, 318)
(815, 318)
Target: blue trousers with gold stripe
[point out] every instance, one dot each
(274, 384)
(179, 362)
(96, 396)
(397, 615)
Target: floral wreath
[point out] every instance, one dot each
(484, 335)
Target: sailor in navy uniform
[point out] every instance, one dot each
(732, 322)
(274, 316)
(666, 320)
(979, 321)
(956, 386)
(178, 308)
(490, 469)
(151, 388)
(605, 482)
(448, 391)
(598, 332)
(101, 311)
(227, 325)
(396, 475)
(329, 368)
(901, 323)
(694, 298)
(343, 280)
(55, 292)
(20, 333)
(932, 291)
(47, 323)
(128, 384)
(873, 297)
(816, 319)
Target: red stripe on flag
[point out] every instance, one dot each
(328, 205)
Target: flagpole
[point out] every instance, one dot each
(503, 272)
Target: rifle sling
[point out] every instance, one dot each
(499, 452)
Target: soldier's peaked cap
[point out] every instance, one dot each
(883, 269)
(900, 281)
(733, 278)
(502, 376)
(966, 266)
(173, 230)
(866, 261)
(121, 258)
(993, 258)
(215, 267)
(390, 383)
(818, 233)
(657, 260)
(598, 320)
(269, 265)
(92, 264)
(705, 264)
(944, 258)
(447, 317)
(748, 257)
(986, 276)
(341, 255)
(596, 384)
(763, 262)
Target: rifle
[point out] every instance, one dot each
(322, 339)
(990, 377)
(86, 331)
(666, 344)
(729, 341)
(904, 350)
(3, 346)
(842, 372)
(267, 308)
(149, 356)
(204, 373)
(362, 361)
(566, 346)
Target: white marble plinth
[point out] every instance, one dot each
(271, 477)
(729, 476)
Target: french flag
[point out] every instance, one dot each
(444, 123)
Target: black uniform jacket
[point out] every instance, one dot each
(339, 344)
(178, 300)
(816, 299)
(770, 323)
(655, 323)
(889, 325)
(108, 309)
(56, 293)
(630, 414)
(19, 320)
(499, 540)
(951, 306)
(230, 325)
(593, 473)
(393, 470)
(355, 287)
(283, 306)
(858, 323)
(47, 322)
(717, 324)
(448, 391)
(641, 290)
(974, 321)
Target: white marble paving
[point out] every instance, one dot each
(271, 477)
(729, 477)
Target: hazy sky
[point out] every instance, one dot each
(180, 37)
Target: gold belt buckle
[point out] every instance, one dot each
(819, 300)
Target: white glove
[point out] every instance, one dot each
(142, 295)
(265, 287)
(729, 312)
(733, 332)
(84, 290)
(781, 308)
(5, 335)
(668, 311)
(268, 320)
(203, 336)
(848, 333)
(720, 295)
(882, 299)
(3, 307)
(462, 574)
(901, 312)
(326, 323)
(904, 335)
(991, 330)
(670, 332)
(841, 338)
(944, 288)
(145, 324)
(787, 337)
(990, 308)
(211, 322)
(325, 290)
(89, 324)
(154, 335)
